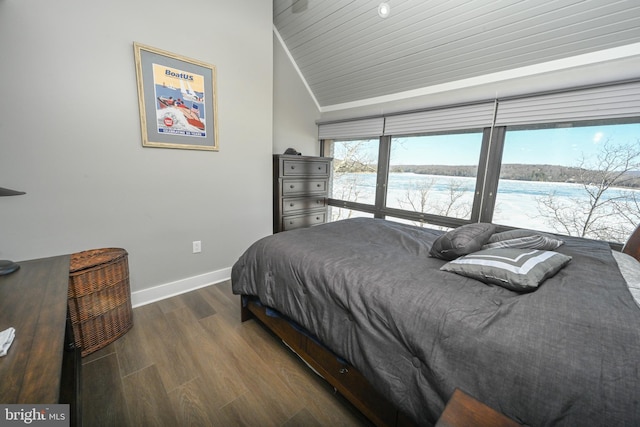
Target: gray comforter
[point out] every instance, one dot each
(566, 354)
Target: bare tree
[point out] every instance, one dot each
(417, 199)
(349, 190)
(628, 208)
(601, 213)
(417, 196)
(350, 156)
(455, 206)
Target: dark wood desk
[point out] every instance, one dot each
(37, 368)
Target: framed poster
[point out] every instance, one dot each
(177, 98)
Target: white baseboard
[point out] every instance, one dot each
(160, 292)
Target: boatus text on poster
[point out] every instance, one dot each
(180, 107)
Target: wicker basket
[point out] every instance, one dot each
(99, 297)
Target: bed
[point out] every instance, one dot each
(370, 292)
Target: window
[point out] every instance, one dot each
(566, 162)
(579, 181)
(355, 165)
(434, 174)
(427, 179)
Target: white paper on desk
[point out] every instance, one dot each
(6, 338)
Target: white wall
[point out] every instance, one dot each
(294, 110)
(70, 136)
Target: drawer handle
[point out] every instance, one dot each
(343, 371)
(291, 205)
(318, 185)
(293, 167)
(292, 186)
(319, 168)
(317, 218)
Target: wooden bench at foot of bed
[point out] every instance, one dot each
(344, 378)
(463, 410)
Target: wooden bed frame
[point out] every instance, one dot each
(459, 412)
(357, 390)
(344, 378)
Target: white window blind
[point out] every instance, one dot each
(364, 128)
(598, 103)
(607, 102)
(476, 116)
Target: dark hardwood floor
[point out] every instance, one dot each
(189, 361)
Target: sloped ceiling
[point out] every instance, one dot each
(346, 53)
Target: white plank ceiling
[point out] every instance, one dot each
(347, 53)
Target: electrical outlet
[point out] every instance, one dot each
(197, 246)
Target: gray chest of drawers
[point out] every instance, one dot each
(300, 191)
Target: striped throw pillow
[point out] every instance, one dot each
(520, 270)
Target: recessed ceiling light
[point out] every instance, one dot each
(384, 10)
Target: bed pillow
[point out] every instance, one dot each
(462, 240)
(520, 270)
(523, 239)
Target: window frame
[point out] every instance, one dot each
(541, 126)
(379, 208)
(590, 105)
